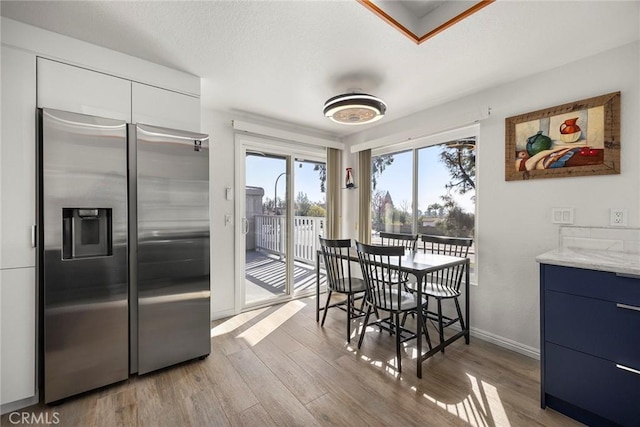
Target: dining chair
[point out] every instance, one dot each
(380, 265)
(407, 241)
(445, 284)
(339, 279)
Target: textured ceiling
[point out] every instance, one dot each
(283, 59)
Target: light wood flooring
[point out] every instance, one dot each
(277, 367)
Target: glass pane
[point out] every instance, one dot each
(446, 190)
(265, 259)
(391, 197)
(308, 222)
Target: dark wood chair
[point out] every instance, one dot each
(445, 284)
(407, 241)
(380, 265)
(339, 279)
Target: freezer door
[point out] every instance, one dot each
(82, 264)
(172, 247)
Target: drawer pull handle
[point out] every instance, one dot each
(626, 368)
(628, 307)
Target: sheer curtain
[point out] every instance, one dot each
(364, 201)
(334, 213)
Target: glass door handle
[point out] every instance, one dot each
(245, 225)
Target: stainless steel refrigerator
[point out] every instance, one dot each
(123, 265)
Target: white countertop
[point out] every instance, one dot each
(593, 259)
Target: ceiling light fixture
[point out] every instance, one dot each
(354, 108)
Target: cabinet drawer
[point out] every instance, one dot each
(602, 328)
(591, 283)
(593, 384)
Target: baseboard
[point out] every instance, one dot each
(526, 350)
(18, 404)
(222, 314)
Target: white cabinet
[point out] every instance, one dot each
(17, 215)
(18, 158)
(18, 329)
(160, 107)
(75, 89)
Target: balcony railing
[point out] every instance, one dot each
(270, 235)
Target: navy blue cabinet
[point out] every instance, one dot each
(590, 345)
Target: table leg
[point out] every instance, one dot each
(419, 326)
(467, 334)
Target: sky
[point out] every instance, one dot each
(263, 172)
(396, 178)
(432, 177)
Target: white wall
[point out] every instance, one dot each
(221, 176)
(514, 218)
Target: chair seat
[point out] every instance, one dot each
(342, 285)
(439, 291)
(408, 301)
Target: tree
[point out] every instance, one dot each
(268, 205)
(456, 222)
(459, 157)
(317, 211)
(404, 213)
(302, 204)
(435, 209)
(377, 209)
(378, 165)
(322, 174)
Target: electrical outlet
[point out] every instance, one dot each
(618, 217)
(562, 215)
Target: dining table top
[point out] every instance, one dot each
(417, 262)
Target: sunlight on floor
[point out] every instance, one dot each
(482, 408)
(235, 322)
(264, 327)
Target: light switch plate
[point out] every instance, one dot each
(562, 215)
(229, 193)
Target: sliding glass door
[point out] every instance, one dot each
(266, 213)
(282, 206)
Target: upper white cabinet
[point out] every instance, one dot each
(160, 107)
(75, 89)
(18, 158)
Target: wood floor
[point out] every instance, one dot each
(277, 367)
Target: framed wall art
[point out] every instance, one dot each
(575, 139)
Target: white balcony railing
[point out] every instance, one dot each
(270, 235)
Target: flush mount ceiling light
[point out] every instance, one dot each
(354, 108)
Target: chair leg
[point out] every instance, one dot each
(349, 308)
(364, 325)
(426, 332)
(398, 343)
(460, 319)
(440, 326)
(326, 308)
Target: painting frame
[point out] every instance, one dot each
(595, 151)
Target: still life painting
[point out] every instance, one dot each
(575, 139)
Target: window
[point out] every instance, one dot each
(428, 189)
(392, 195)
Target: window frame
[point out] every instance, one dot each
(414, 145)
